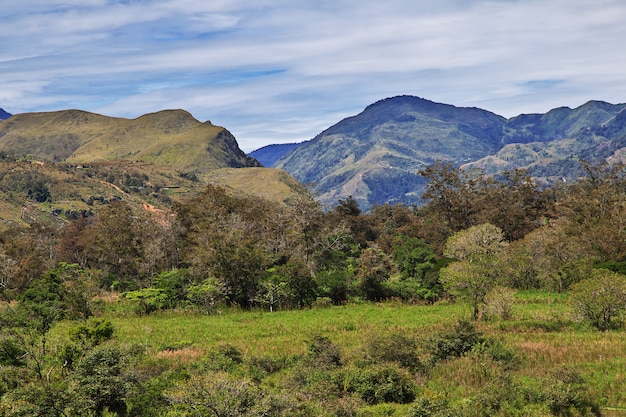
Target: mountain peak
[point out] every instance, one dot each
(4, 115)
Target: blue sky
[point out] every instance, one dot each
(274, 71)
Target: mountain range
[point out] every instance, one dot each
(375, 156)
(75, 162)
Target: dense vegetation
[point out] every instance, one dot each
(125, 312)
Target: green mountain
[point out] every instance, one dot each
(171, 137)
(375, 156)
(60, 165)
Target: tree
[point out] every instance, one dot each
(600, 299)
(450, 192)
(477, 270)
(103, 381)
(206, 294)
(413, 257)
(374, 269)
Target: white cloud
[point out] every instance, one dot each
(283, 70)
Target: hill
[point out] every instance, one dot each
(4, 115)
(171, 137)
(375, 156)
(61, 165)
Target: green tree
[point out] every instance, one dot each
(477, 271)
(373, 270)
(450, 192)
(206, 294)
(413, 257)
(103, 381)
(600, 299)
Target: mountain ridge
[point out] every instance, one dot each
(164, 137)
(375, 155)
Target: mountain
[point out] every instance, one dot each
(4, 115)
(169, 137)
(550, 146)
(375, 156)
(270, 154)
(61, 165)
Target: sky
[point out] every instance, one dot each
(277, 71)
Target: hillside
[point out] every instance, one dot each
(4, 115)
(171, 137)
(62, 165)
(375, 156)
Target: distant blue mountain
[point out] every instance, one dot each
(270, 154)
(4, 115)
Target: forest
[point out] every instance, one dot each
(463, 260)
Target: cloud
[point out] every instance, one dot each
(283, 70)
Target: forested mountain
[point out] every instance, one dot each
(375, 156)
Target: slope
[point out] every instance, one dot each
(171, 137)
(375, 155)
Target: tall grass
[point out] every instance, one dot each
(541, 333)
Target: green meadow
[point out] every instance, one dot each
(539, 341)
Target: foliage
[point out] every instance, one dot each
(322, 352)
(600, 299)
(477, 271)
(206, 294)
(104, 381)
(454, 344)
(374, 269)
(499, 303)
(376, 384)
(413, 257)
(394, 347)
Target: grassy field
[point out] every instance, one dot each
(542, 335)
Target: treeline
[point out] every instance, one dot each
(222, 248)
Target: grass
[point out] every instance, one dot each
(281, 332)
(541, 334)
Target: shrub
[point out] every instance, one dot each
(499, 303)
(600, 299)
(430, 404)
(394, 347)
(378, 384)
(565, 391)
(322, 352)
(226, 358)
(216, 394)
(454, 344)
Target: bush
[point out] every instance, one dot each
(565, 391)
(378, 384)
(430, 404)
(454, 344)
(499, 303)
(323, 353)
(394, 347)
(600, 299)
